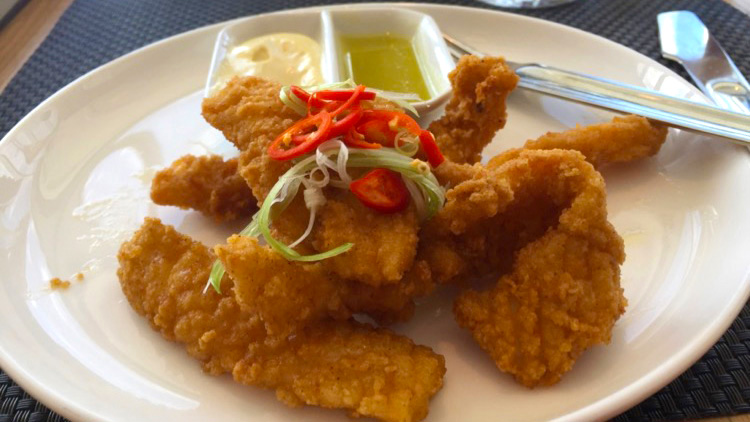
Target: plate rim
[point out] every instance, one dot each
(604, 408)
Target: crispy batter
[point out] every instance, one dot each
(371, 372)
(622, 140)
(477, 108)
(250, 114)
(384, 244)
(286, 295)
(562, 294)
(207, 184)
(162, 273)
(248, 111)
(289, 296)
(392, 302)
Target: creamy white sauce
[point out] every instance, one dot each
(290, 59)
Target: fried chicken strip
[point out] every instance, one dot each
(373, 372)
(207, 184)
(250, 114)
(621, 140)
(162, 273)
(286, 295)
(290, 296)
(476, 111)
(335, 364)
(562, 294)
(384, 245)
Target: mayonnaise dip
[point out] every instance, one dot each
(287, 58)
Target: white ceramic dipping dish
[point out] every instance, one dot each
(432, 54)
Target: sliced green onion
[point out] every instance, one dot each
(406, 143)
(292, 101)
(400, 99)
(217, 273)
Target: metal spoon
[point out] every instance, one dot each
(616, 96)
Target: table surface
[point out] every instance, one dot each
(28, 28)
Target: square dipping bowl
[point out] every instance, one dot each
(326, 26)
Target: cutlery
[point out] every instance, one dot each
(686, 40)
(616, 96)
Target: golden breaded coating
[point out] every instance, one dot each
(248, 111)
(477, 108)
(391, 303)
(563, 292)
(250, 114)
(347, 365)
(289, 296)
(384, 244)
(162, 274)
(286, 295)
(207, 184)
(622, 140)
(373, 372)
(476, 197)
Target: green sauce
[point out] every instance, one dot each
(384, 62)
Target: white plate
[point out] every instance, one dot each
(74, 178)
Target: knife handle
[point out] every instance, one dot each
(620, 97)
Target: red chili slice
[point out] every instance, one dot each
(382, 190)
(343, 125)
(431, 148)
(338, 128)
(352, 100)
(377, 131)
(402, 120)
(357, 140)
(305, 96)
(299, 93)
(313, 128)
(383, 126)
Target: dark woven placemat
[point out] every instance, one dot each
(93, 32)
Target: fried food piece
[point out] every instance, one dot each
(622, 140)
(162, 273)
(248, 111)
(289, 296)
(384, 244)
(250, 114)
(335, 364)
(563, 292)
(392, 303)
(373, 372)
(286, 295)
(207, 184)
(477, 108)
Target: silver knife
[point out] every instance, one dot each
(616, 96)
(686, 40)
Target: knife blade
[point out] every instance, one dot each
(685, 39)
